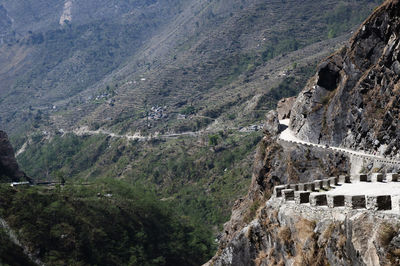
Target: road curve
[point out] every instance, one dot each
(288, 136)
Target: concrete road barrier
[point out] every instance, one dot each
(344, 179)
(377, 177)
(392, 177)
(355, 202)
(326, 184)
(288, 194)
(335, 201)
(278, 190)
(302, 197)
(318, 200)
(318, 184)
(376, 203)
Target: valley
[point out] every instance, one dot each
(199, 146)
(173, 99)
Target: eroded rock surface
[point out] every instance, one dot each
(278, 162)
(291, 234)
(284, 107)
(354, 99)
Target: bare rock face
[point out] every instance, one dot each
(284, 107)
(354, 99)
(291, 234)
(9, 170)
(271, 126)
(277, 163)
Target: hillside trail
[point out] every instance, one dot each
(84, 130)
(289, 136)
(136, 136)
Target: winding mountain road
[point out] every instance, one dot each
(288, 136)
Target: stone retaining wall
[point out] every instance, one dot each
(303, 192)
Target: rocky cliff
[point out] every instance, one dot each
(9, 170)
(276, 162)
(297, 235)
(352, 101)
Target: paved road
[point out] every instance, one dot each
(289, 136)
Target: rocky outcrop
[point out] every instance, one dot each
(284, 107)
(289, 234)
(278, 162)
(9, 170)
(354, 99)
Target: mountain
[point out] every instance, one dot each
(167, 94)
(45, 59)
(342, 124)
(102, 223)
(112, 61)
(150, 111)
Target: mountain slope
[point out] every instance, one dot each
(213, 69)
(45, 62)
(265, 230)
(205, 46)
(104, 223)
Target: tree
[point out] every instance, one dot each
(213, 140)
(60, 176)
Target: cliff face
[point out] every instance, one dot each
(354, 98)
(299, 235)
(9, 170)
(352, 101)
(278, 162)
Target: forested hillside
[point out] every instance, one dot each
(104, 223)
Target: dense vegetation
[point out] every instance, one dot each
(201, 178)
(10, 253)
(103, 223)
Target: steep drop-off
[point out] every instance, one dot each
(352, 101)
